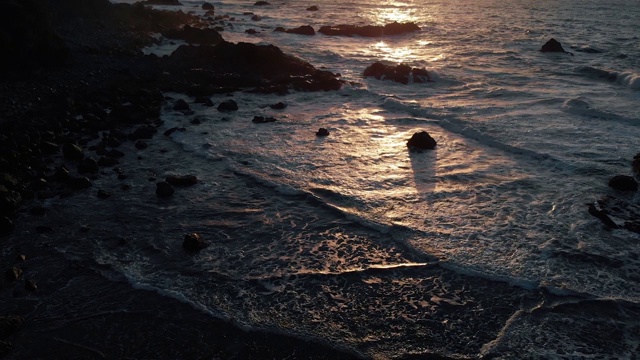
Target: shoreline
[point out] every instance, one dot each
(45, 108)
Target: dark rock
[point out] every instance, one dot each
(43, 229)
(263, 120)
(144, 132)
(251, 31)
(6, 226)
(203, 100)
(30, 285)
(72, 151)
(141, 145)
(195, 121)
(9, 201)
(174, 129)
(602, 215)
(313, 8)
(261, 3)
(162, 2)
(635, 164)
(278, 106)
(400, 73)
(553, 45)
(369, 30)
(61, 174)
(21, 258)
(208, 6)
(38, 211)
(48, 147)
(421, 140)
(195, 35)
(107, 161)
(181, 180)
(623, 183)
(164, 189)
(12, 274)
(88, 166)
(228, 105)
(279, 29)
(181, 105)
(78, 183)
(322, 132)
(193, 242)
(302, 30)
(256, 18)
(9, 325)
(102, 194)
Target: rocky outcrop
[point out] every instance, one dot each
(228, 105)
(302, 30)
(623, 183)
(553, 45)
(369, 30)
(402, 73)
(421, 141)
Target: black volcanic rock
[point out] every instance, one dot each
(421, 140)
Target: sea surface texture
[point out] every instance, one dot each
(481, 247)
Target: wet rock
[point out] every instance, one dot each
(602, 215)
(164, 189)
(102, 194)
(228, 105)
(144, 132)
(421, 140)
(181, 180)
(88, 166)
(141, 145)
(263, 119)
(256, 18)
(193, 242)
(278, 106)
(369, 30)
(279, 29)
(208, 6)
(204, 101)
(553, 45)
(12, 274)
(78, 183)
(623, 183)
(313, 8)
(72, 151)
(635, 164)
(261, 3)
(5, 348)
(400, 73)
(181, 105)
(49, 148)
(107, 161)
(6, 226)
(195, 36)
(174, 129)
(302, 30)
(43, 229)
(9, 325)
(9, 201)
(251, 31)
(162, 2)
(30, 285)
(322, 132)
(38, 211)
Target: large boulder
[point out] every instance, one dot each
(421, 141)
(302, 30)
(553, 45)
(369, 30)
(400, 73)
(623, 183)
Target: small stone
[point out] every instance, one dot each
(79, 183)
(141, 145)
(72, 151)
(322, 132)
(228, 105)
(30, 286)
(21, 258)
(103, 194)
(181, 180)
(12, 274)
(181, 105)
(263, 120)
(278, 106)
(312, 8)
(421, 140)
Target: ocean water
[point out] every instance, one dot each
(482, 247)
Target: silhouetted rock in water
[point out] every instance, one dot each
(228, 105)
(263, 119)
(88, 166)
(635, 164)
(193, 242)
(553, 45)
(278, 106)
(602, 215)
(250, 64)
(302, 30)
(141, 145)
(261, 3)
(181, 180)
(195, 35)
(256, 18)
(623, 183)
(322, 132)
(174, 129)
(144, 132)
(369, 30)
(421, 141)
(6, 226)
(206, 101)
(208, 6)
(164, 189)
(251, 31)
(312, 8)
(400, 73)
(162, 2)
(27, 41)
(279, 29)
(181, 105)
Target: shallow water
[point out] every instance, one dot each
(483, 246)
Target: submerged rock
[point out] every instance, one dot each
(553, 45)
(400, 73)
(263, 119)
(193, 242)
(623, 183)
(302, 30)
(228, 105)
(421, 140)
(322, 132)
(164, 189)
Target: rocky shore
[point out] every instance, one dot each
(74, 87)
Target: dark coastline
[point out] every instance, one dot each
(55, 94)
